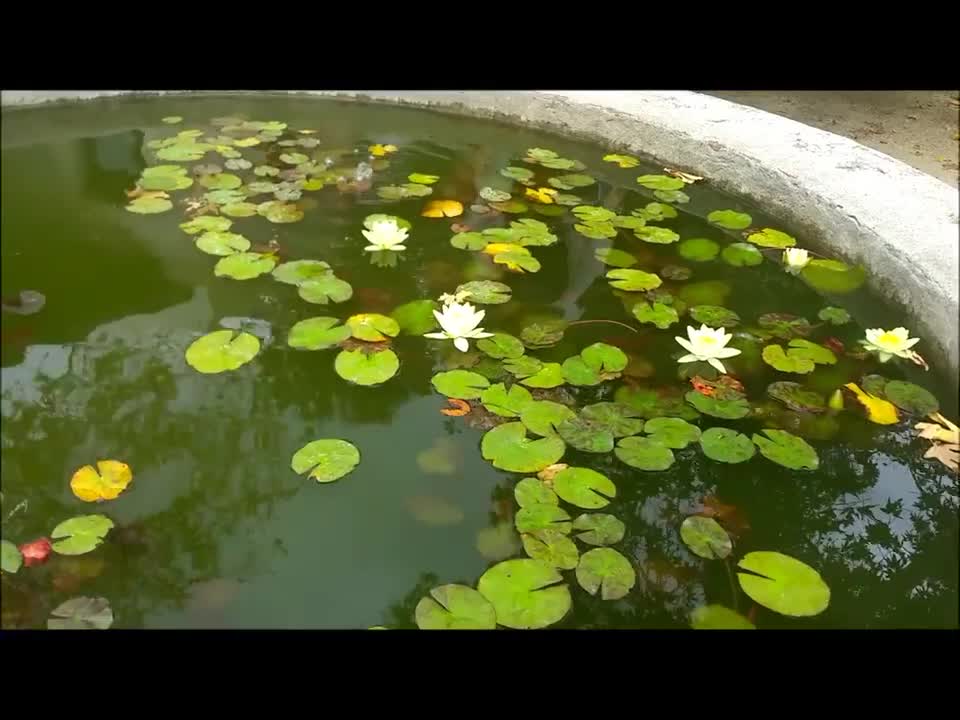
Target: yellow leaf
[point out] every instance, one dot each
(442, 208)
(878, 411)
(680, 175)
(112, 480)
(247, 142)
(945, 432)
(497, 248)
(541, 195)
(379, 150)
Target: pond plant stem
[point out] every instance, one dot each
(733, 585)
(613, 322)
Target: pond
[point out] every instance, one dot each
(215, 367)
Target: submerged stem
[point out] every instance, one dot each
(733, 585)
(613, 322)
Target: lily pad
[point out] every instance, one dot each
(614, 257)
(553, 548)
(671, 432)
(317, 333)
(508, 448)
(833, 276)
(536, 517)
(10, 558)
(493, 195)
(220, 181)
(240, 209)
(485, 292)
(705, 537)
(461, 384)
(656, 235)
(325, 288)
(787, 449)
(469, 241)
(517, 173)
(699, 249)
(741, 255)
(768, 237)
(92, 486)
(727, 405)
(718, 617)
(607, 571)
(584, 488)
(596, 363)
(326, 460)
(586, 436)
(498, 400)
(422, 179)
(834, 315)
(568, 182)
(498, 542)
(714, 316)
(658, 314)
(225, 197)
(526, 594)
(513, 207)
(817, 353)
(660, 182)
(633, 280)
(629, 222)
(592, 214)
(616, 418)
(293, 158)
(222, 243)
(726, 445)
(774, 356)
(82, 613)
(624, 161)
(730, 219)
(416, 317)
(672, 196)
(796, 397)
(599, 529)
(597, 230)
(532, 491)
(784, 325)
(651, 403)
(222, 350)
(542, 417)
(455, 607)
(549, 376)
(80, 534)
(206, 223)
(708, 292)
(149, 205)
(501, 345)
(912, 398)
(372, 327)
(362, 368)
(783, 584)
(279, 212)
(541, 335)
(245, 265)
(644, 454)
(266, 171)
(523, 366)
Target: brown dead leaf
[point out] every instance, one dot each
(730, 516)
(948, 454)
(941, 430)
(460, 228)
(686, 177)
(917, 359)
(550, 472)
(458, 408)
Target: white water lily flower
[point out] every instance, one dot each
(385, 235)
(459, 322)
(795, 259)
(888, 343)
(707, 344)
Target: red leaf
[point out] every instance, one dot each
(459, 408)
(702, 386)
(36, 552)
(834, 344)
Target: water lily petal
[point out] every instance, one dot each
(688, 358)
(717, 364)
(687, 345)
(726, 352)
(461, 344)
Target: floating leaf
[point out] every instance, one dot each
(10, 558)
(526, 594)
(599, 529)
(586, 436)
(172, 119)
(568, 182)
(517, 173)
(660, 182)
(238, 164)
(83, 613)
(768, 237)
(540, 335)
(247, 142)
(531, 491)
(422, 179)
(461, 384)
(796, 397)
(325, 288)
(615, 258)
(592, 214)
(501, 345)
(518, 260)
(741, 255)
(455, 607)
(505, 403)
(699, 249)
(442, 208)
(774, 356)
(227, 197)
(552, 548)
(416, 317)
(650, 403)
(624, 161)
(498, 542)
(912, 398)
(834, 315)
(784, 325)
(783, 584)
(244, 265)
(294, 158)
(492, 195)
(730, 219)
(615, 418)
(833, 276)
(542, 417)
(469, 241)
(508, 448)
(241, 209)
(222, 350)
(705, 537)
(658, 314)
(671, 432)
(298, 272)
(222, 243)
(584, 488)
(372, 327)
(554, 210)
(485, 292)
(537, 517)
(787, 449)
(817, 353)
(80, 534)
(672, 196)
(708, 292)
(656, 212)
(149, 205)
(718, 617)
(633, 280)
(656, 235)
(726, 445)
(878, 410)
(522, 367)
(221, 181)
(279, 212)
(714, 316)
(361, 368)
(606, 570)
(549, 376)
(266, 171)
(91, 486)
(327, 460)
(629, 222)
(729, 406)
(317, 333)
(596, 230)
(644, 454)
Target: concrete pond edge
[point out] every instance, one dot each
(836, 194)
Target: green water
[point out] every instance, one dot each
(216, 530)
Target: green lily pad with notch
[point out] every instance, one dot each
(718, 617)
(226, 197)
(148, 205)
(787, 449)
(549, 376)
(657, 314)
(741, 255)
(624, 161)
(599, 529)
(508, 448)
(10, 557)
(726, 445)
(80, 535)
(814, 352)
(372, 327)
(240, 209)
(222, 350)
(714, 316)
(261, 188)
(454, 607)
(633, 280)
(912, 398)
(422, 179)
(522, 367)
(532, 491)
(415, 317)
(461, 384)
(537, 517)
(541, 154)
(660, 182)
(541, 335)
(730, 219)
(220, 181)
(614, 257)
(542, 417)
(486, 292)
(280, 212)
(321, 290)
(166, 182)
(591, 214)
(699, 249)
(185, 152)
(586, 436)
(501, 346)
(518, 260)
(874, 384)
(672, 196)
(222, 243)
(577, 372)
(326, 460)
(834, 315)
(774, 356)
(81, 613)
(629, 222)
(361, 368)
(656, 212)
(172, 119)
(596, 230)
(206, 223)
(584, 488)
(493, 195)
(551, 547)
(568, 182)
(705, 537)
(616, 418)
(506, 403)
(293, 158)
(266, 171)
(784, 325)
(472, 241)
(796, 397)
(727, 405)
(317, 333)
(245, 265)
(833, 276)
(650, 403)
(644, 454)
(768, 237)
(605, 570)
(656, 235)
(512, 207)
(783, 584)
(670, 432)
(526, 594)
(238, 164)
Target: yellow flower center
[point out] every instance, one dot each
(889, 339)
(707, 339)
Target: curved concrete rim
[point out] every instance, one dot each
(866, 207)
